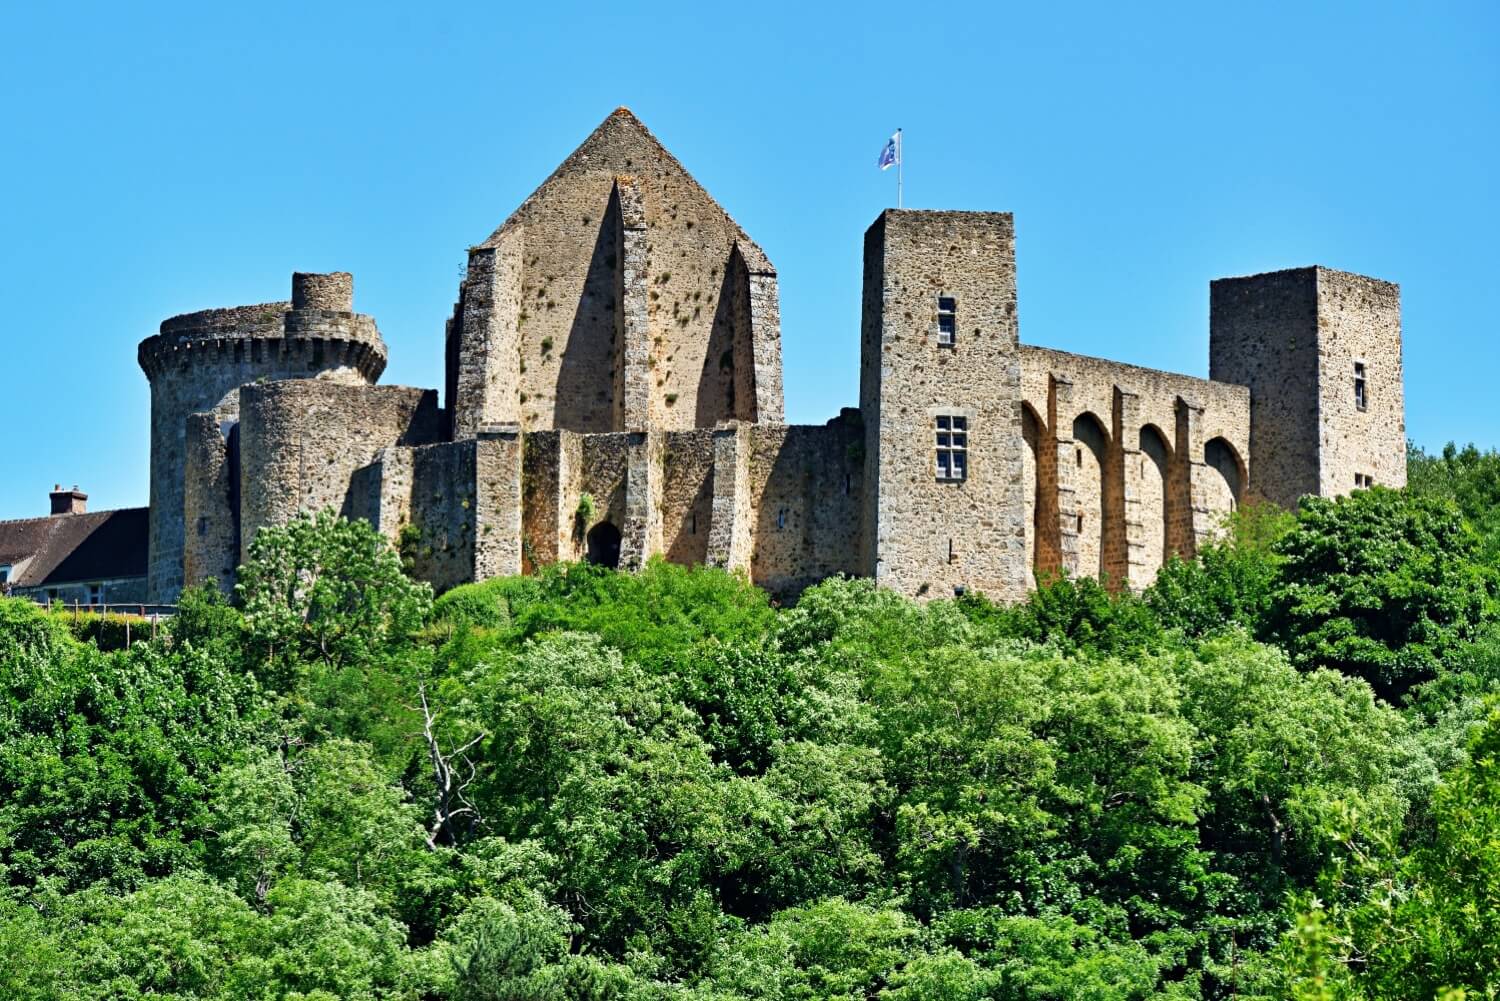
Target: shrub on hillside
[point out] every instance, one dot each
(1380, 584)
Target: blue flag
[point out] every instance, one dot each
(890, 155)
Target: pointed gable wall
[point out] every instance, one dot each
(618, 296)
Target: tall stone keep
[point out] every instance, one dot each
(196, 364)
(1320, 351)
(940, 398)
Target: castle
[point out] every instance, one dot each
(613, 392)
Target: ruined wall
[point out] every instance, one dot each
(781, 503)
(931, 535)
(483, 354)
(687, 495)
(806, 486)
(552, 466)
(1295, 338)
(603, 475)
(198, 359)
(1148, 473)
(755, 392)
(620, 239)
(1143, 484)
(303, 441)
(452, 508)
(1096, 505)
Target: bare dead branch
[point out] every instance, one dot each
(449, 782)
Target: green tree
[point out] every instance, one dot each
(322, 588)
(105, 759)
(1468, 477)
(1230, 583)
(1380, 584)
(1428, 927)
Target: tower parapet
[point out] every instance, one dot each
(197, 361)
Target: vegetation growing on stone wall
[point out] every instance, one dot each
(584, 514)
(587, 784)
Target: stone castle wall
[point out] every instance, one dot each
(928, 535)
(1294, 338)
(806, 494)
(620, 265)
(1356, 318)
(613, 389)
(195, 365)
(1120, 466)
(303, 441)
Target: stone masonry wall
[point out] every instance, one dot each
(1263, 334)
(806, 487)
(303, 441)
(1145, 486)
(211, 549)
(932, 536)
(194, 365)
(484, 371)
(572, 289)
(687, 495)
(1359, 322)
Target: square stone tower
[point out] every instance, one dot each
(1320, 351)
(940, 398)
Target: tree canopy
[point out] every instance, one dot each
(1274, 774)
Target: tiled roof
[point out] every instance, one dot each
(65, 548)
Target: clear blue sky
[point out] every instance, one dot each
(159, 160)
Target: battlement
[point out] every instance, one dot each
(262, 319)
(316, 330)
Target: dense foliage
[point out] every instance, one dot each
(1275, 774)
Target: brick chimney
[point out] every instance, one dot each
(73, 501)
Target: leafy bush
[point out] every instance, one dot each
(1381, 585)
(1231, 582)
(470, 606)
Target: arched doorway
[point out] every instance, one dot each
(604, 545)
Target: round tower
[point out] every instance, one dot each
(197, 363)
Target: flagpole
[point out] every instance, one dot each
(900, 168)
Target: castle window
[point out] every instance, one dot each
(1363, 481)
(952, 447)
(96, 594)
(947, 321)
(1359, 385)
(5, 573)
